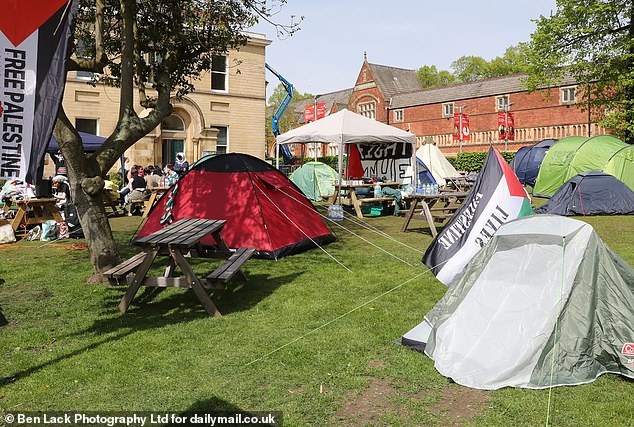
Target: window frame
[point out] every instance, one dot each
(227, 139)
(225, 73)
(399, 116)
(445, 105)
(566, 91)
(95, 119)
(363, 108)
(504, 107)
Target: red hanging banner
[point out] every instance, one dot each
(321, 110)
(309, 112)
(466, 130)
(501, 125)
(510, 126)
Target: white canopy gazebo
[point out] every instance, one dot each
(345, 127)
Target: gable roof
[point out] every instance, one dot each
(392, 80)
(477, 89)
(339, 98)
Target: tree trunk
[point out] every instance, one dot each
(86, 185)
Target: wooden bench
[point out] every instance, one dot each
(121, 271)
(375, 200)
(220, 276)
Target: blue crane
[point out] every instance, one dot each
(275, 126)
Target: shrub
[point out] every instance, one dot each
(473, 161)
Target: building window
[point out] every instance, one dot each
(87, 125)
(447, 109)
(398, 115)
(222, 144)
(367, 109)
(502, 102)
(219, 73)
(86, 75)
(173, 123)
(568, 95)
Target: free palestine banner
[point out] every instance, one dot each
(33, 40)
(497, 197)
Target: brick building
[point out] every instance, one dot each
(394, 96)
(225, 112)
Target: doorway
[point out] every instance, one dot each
(170, 148)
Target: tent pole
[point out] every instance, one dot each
(340, 167)
(277, 156)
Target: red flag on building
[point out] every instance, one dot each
(510, 126)
(501, 125)
(456, 126)
(321, 110)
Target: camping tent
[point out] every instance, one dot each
(383, 150)
(436, 163)
(263, 209)
(527, 161)
(591, 193)
(574, 155)
(315, 179)
(544, 303)
(424, 176)
(621, 166)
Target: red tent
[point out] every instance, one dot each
(263, 209)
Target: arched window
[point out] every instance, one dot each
(173, 123)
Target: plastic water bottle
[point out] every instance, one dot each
(435, 188)
(377, 190)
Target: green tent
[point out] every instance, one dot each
(621, 166)
(544, 303)
(574, 155)
(316, 180)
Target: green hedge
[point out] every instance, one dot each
(473, 161)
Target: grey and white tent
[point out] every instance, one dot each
(544, 303)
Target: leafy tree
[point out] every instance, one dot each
(429, 76)
(512, 62)
(593, 41)
(158, 48)
(470, 68)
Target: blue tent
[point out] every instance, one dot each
(90, 142)
(424, 176)
(527, 161)
(591, 193)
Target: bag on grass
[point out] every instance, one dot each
(49, 230)
(62, 230)
(6, 233)
(34, 234)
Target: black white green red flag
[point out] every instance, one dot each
(33, 40)
(497, 197)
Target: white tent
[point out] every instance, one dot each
(346, 127)
(436, 163)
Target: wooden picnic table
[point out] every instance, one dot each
(351, 196)
(459, 183)
(155, 195)
(433, 208)
(32, 211)
(179, 241)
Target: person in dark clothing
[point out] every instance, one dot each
(138, 190)
(181, 164)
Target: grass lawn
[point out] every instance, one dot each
(65, 346)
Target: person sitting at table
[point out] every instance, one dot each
(61, 192)
(138, 191)
(152, 179)
(171, 177)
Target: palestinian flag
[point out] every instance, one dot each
(497, 197)
(33, 41)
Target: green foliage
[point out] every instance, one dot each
(473, 161)
(471, 68)
(429, 76)
(116, 178)
(593, 41)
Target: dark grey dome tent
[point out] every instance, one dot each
(591, 193)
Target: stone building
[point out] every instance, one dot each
(225, 112)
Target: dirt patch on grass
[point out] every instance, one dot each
(459, 404)
(368, 407)
(377, 364)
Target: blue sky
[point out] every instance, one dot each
(327, 53)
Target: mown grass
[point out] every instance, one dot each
(66, 347)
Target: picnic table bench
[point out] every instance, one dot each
(33, 211)
(433, 208)
(355, 201)
(179, 241)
